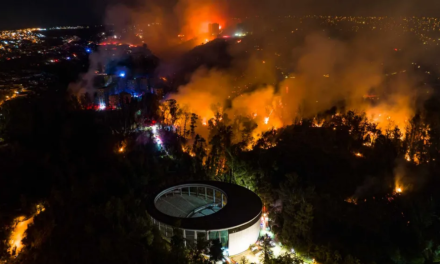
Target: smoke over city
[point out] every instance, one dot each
(318, 71)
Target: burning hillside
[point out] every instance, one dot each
(353, 71)
(21, 224)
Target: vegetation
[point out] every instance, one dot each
(326, 201)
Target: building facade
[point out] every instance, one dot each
(208, 210)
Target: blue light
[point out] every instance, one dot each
(88, 50)
(122, 74)
(68, 58)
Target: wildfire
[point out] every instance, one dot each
(358, 154)
(266, 120)
(317, 123)
(121, 147)
(407, 157)
(17, 234)
(398, 186)
(188, 150)
(204, 121)
(351, 200)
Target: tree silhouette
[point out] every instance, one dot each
(215, 251)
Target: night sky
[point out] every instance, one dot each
(46, 13)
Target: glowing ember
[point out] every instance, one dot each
(351, 200)
(358, 154)
(17, 234)
(399, 190)
(121, 149)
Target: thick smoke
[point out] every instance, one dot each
(158, 23)
(162, 21)
(320, 71)
(326, 73)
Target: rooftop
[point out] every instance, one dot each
(173, 207)
(184, 205)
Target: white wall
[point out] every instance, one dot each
(240, 241)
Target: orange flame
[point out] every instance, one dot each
(266, 120)
(17, 234)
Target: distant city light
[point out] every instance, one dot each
(68, 58)
(101, 106)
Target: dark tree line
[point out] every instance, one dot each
(67, 159)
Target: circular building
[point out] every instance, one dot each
(208, 210)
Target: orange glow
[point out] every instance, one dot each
(305, 95)
(398, 184)
(17, 234)
(351, 200)
(317, 123)
(121, 147)
(198, 14)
